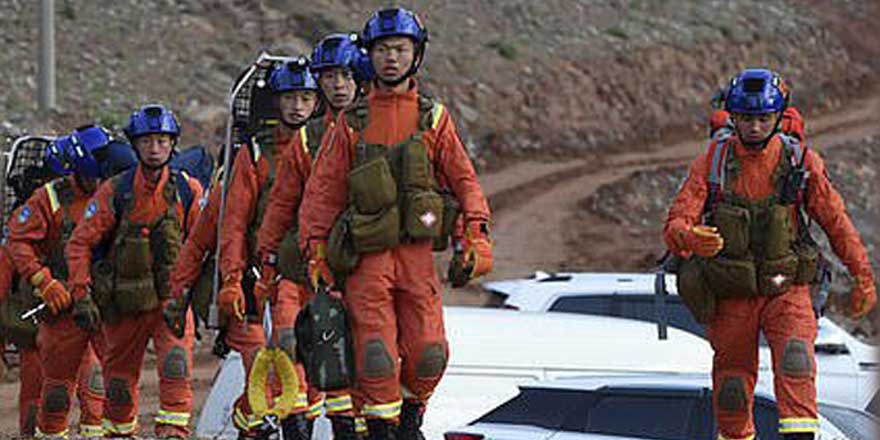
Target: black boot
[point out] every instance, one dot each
(343, 428)
(799, 436)
(297, 427)
(411, 421)
(378, 429)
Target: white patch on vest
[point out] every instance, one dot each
(91, 210)
(428, 219)
(779, 279)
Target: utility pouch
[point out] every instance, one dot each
(694, 290)
(780, 232)
(134, 259)
(324, 343)
(290, 259)
(102, 283)
(733, 225)
(451, 209)
(776, 276)
(730, 278)
(372, 186)
(424, 215)
(416, 167)
(134, 289)
(22, 333)
(341, 254)
(808, 263)
(376, 232)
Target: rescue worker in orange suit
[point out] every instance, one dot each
(393, 293)
(66, 351)
(761, 275)
(296, 95)
(337, 67)
(142, 216)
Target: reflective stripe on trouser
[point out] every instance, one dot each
(338, 404)
(69, 360)
(30, 381)
(383, 411)
(59, 435)
(792, 425)
(172, 418)
(126, 344)
(314, 410)
(91, 431)
(789, 325)
(360, 425)
(394, 303)
(721, 437)
(127, 428)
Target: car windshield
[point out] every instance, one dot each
(671, 414)
(856, 425)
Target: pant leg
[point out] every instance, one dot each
(370, 305)
(790, 327)
(90, 392)
(31, 381)
(62, 345)
(286, 308)
(174, 365)
(422, 338)
(247, 340)
(733, 334)
(126, 342)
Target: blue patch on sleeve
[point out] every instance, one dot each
(24, 214)
(91, 209)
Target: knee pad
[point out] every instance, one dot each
(732, 396)
(56, 399)
(174, 366)
(796, 359)
(377, 361)
(117, 391)
(432, 361)
(96, 379)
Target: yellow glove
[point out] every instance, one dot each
(703, 240)
(863, 297)
(230, 299)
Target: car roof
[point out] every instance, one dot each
(673, 382)
(481, 337)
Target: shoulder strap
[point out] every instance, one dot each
(430, 112)
(123, 189)
(717, 152)
(184, 195)
(311, 134)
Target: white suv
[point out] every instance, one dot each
(847, 367)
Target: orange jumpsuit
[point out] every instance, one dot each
(127, 338)
(202, 240)
(66, 354)
(393, 296)
(246, 188)
(787, 319)
(294, 168)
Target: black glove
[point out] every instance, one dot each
(175, 315)
(86, 314)
(458, 274)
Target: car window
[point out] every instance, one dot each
(855, 424)
(639, 307)
(546, 408)
(650, 416)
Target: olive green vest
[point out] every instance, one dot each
(765, 250)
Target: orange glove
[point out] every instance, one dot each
(266, 287)
(319, 270)
(53, 293)
(230, 299)
(477, 249)
(863, 297)
(703, 240)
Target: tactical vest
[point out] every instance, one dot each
(767, 246)
(23, 333)
(135, 275)
(393, 196)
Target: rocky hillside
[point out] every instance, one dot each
(522, 77)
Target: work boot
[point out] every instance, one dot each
(799, 436)
(297, 427)
(411, 414)
(343, 428)
(378, 429)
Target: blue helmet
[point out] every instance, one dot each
(85, 142)
(57, 156)
(293, 76)
(756, 91)
(115, 158)
(150, 119)
(341, 50)
(394, 22)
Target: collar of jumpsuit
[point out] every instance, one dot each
(394, 117)
(148, 197)
(757, 167)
